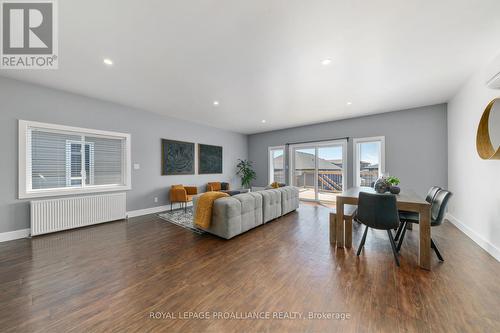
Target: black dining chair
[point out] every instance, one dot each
(413, 215)
(432, 193)
(438, 210)
(378, 211)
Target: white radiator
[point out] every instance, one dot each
(68, 213)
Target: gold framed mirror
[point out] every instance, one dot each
(488, 132)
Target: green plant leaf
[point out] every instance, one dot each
(244, 169)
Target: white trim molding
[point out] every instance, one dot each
(13, 235)
(26, 233)
(478, 239)
(146, 211)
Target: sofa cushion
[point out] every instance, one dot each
(259, 219)
(226, 218)
(248, 213)
(289, 199)
(271, 204)
(253, 205)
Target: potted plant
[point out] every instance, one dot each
(245, 170)
(394, 182)
(381, 185)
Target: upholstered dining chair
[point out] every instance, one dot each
(182, 194)
(378, 211)
(429, 198)
(438, 210)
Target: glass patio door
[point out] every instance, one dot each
(318, 170)
(304, 172)
(330, 172)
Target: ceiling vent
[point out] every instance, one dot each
(494, 82)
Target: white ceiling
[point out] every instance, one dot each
(262, 58)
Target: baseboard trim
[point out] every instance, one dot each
(478, 239)
(13, 235)
(152, 210)
(146, 211)
(24, 233)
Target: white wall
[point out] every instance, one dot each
(475, 183)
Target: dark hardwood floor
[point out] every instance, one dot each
(112, 276)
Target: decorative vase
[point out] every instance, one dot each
(395, 189)
(381, 185)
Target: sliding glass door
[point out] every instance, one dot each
(304, 172)
(330, 172)
(318, 169)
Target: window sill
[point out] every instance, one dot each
(72, 191)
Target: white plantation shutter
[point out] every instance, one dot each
(66, 158)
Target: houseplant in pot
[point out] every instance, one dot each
(394, 182)
(245, 170)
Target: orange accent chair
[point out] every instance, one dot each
(182, 194)
(217, 186)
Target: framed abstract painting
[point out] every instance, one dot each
(177, 157)
(209, 159)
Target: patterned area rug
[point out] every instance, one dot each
(181, 218)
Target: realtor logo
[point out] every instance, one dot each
(29, 34)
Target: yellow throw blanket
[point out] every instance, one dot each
(203, 214)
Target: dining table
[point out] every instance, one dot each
(407, 200)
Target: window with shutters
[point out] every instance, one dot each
(58, 160)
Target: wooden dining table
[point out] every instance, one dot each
(407, 200)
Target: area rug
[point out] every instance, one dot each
(181, 218)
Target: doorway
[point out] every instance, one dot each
(318, 169)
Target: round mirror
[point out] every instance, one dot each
(488, 132)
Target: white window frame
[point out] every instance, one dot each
(356, 154)
(83, 176)
(25, 187)
(270, 173)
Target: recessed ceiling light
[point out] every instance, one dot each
(108, 61)
(216, 103)
(326, 61)
(263, 121)
(349, 103)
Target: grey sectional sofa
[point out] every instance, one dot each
(234, 215)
